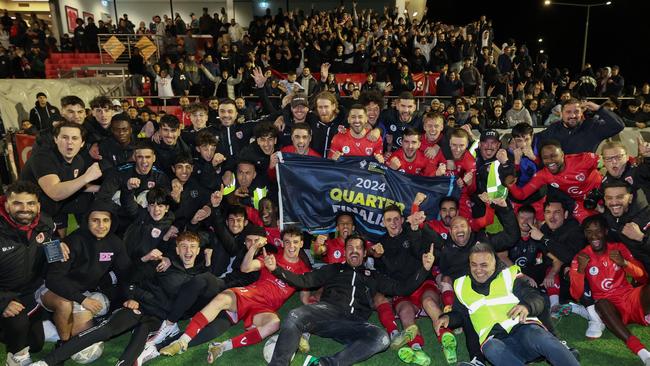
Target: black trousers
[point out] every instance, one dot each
(121, 321)
(23, 330)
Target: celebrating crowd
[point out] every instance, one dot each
(128, 219)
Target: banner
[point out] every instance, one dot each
(314, 190)
(425, 84)
(24, 148)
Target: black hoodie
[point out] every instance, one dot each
(145, 234)
(90, 260)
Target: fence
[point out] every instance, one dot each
(118, 48)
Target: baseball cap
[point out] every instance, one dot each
(41, 94)
(116, 103)
(489, 134)
(299, 99)
(139, 99)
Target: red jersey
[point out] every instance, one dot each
(580, 175)
(273, 236)
(349, 145)
(184, 118)
(274, 290)
(415, 167)
(426, 143)
(606, 279)
(335, 252)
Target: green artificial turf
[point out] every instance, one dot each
(607, 351)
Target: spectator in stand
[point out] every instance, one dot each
(470, 77)
(43, 113)
(518, 114)
(448, 83)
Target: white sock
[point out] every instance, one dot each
(643, 354)
(593, 314)
(394, 333)
(227, 345)
(50, 332)
(554, 299)
(579, 310)
(416, 346)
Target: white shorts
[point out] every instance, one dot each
(76, 307)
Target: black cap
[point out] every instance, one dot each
(489, 134)
(254, 230)
(41, 94)
(299, 99)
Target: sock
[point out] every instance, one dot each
(306, 335)
(197, 323)
(442, 332)
(448, 297)
(634, 344)
(387, 317)
(554, 300)
(593, 314)
(249, 337)
(643, 354)
(417, 342)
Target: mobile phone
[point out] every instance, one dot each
(53, 251)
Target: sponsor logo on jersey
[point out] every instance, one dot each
(606, 284)
(574, 190)
(105, 256)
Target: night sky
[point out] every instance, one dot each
(618, 33)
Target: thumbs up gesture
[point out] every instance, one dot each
(428, 258)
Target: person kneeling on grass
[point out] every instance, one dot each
(345, 306)
(257, 303)
(605, 267)
(502, 307)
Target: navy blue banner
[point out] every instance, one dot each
(314, 190)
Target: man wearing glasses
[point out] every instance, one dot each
(618, 165)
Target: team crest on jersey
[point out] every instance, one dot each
(40, 238)
(337, 254)
(555, 185)
(239, 134)
(393, 128)
(155, 232)
(444, 236)
(593, 270)
(75, 173)
(346, 149)
(630, 180)
(367, 273)
(368, 150)
(580, 177)
(151, 184)
(194, 193)
(406, 244)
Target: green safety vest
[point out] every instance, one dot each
(487, 311)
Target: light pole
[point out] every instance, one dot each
(588, 6)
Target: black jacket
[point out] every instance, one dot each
(41, 117)
(639, 213)
(145, 235)
(351, 289)
(638, 175)
(454, 259)
(22, 258)
(565, 242)
(585, 137)
(166, 155)
(323, 133)
(402, 253)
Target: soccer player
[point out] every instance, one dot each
(576, 175)
(355, 141)
(605, 266)
(255, 304)
(409, 159)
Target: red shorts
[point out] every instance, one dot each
(416, 297)
(629, 305)
(249, 304)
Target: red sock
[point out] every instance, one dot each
(249, 337)
(197, 323)
(387, 317)
(634, 344)
(417, 340)
(448, 297)
(443, 331)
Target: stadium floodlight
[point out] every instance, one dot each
(588, 6)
